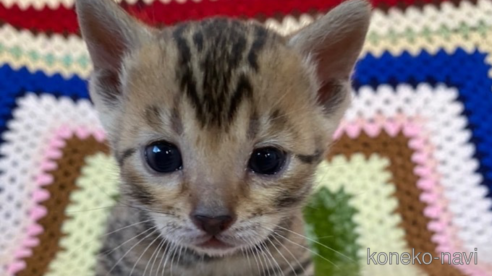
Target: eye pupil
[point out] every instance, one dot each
(267, 161)
(163, 157)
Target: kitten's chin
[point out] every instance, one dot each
(215, 251)
(215, 247)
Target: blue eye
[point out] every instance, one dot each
(267, 161)
(163, 157)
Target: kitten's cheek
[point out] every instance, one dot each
(167, 190)
(175, 229)
(254, 230)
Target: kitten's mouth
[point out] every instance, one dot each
(214, 243)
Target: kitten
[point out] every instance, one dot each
(218, 127)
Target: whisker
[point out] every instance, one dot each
(104, 235)
(155, 253)
(268, 266)
(126, 227)
(131, 248)
(134, 237)
(309, 239)
(257, 259)
(145, 250)
(310, 250)
(273, 258)
(279, 99)
(165, 255)
(174, 249)
(288, 251)
(282, 255)
(325, 237)
(172, 260)
(161, 263)
(89, 210)
(246, 255)
(179, 254)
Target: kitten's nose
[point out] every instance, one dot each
(212, 225)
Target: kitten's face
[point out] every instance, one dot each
(243, 119)
(218, 127)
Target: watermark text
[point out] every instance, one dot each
(407, 258)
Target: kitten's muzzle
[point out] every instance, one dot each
(213, 225)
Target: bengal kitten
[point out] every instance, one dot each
(218, 127)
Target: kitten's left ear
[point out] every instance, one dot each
(333, 43)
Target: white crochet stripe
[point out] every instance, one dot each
(37, 4)
(53, 4)
(446, 27)
(395, 21)
(469, 42)
(42, 52)
(368, 182)
(456, 165)
(34, 122)
(19, 45)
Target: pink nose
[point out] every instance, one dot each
(212, 225)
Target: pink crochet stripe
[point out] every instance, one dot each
(445, 233)
(52, 152)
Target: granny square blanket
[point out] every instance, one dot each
(410, 172)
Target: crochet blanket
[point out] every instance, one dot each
(408, 180)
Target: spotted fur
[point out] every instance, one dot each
(217, 89)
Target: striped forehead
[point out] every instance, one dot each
(217, 59)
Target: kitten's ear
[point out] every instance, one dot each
(109, 32)
(333, 43)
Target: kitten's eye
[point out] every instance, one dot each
(267, 161)
(163, 157)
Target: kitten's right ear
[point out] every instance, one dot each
(109, 32)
